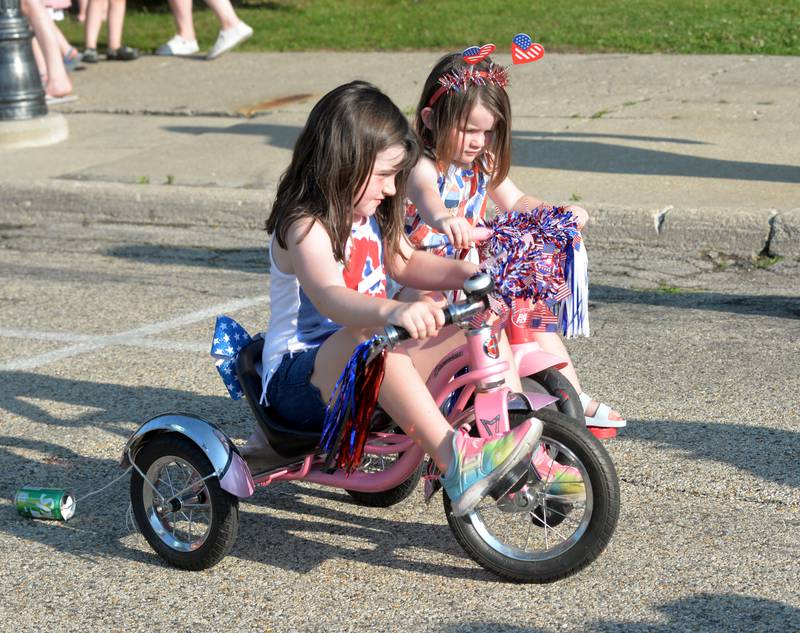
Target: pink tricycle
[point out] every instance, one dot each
(188, 475)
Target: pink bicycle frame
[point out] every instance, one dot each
(491, 412)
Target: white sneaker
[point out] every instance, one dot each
(178, 46)
(226, 40)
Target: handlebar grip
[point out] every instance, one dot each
(448, 316)
(397, 333)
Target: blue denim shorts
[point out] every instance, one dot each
(292, 395)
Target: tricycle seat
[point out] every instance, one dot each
(286, 441)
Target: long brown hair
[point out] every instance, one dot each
(333, 158)
(451, 111)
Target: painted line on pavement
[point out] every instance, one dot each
(136, 337)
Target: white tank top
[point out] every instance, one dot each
(295, 324)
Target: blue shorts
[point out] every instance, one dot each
(292, 395)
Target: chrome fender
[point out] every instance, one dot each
(229, 467)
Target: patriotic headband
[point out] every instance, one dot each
(460, 80)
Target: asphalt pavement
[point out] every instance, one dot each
(110, 288)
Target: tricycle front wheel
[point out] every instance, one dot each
(552, 526)
(188, 519)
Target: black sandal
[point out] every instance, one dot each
(90, 55)
(122, 54)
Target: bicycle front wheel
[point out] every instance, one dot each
(556, 524)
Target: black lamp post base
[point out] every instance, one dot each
(21, 92)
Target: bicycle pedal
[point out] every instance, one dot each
(431, 487)
(512, 481)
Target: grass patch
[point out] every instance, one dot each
(671, 290)
(767, 261)
(627, 26)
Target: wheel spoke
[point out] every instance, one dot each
(558, 512)
(169, 480)
(549, 528)
(527, 535)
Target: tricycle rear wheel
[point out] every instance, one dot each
(553, 382)
(198, 527)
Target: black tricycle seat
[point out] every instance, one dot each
(285, 440)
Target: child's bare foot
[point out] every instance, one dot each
(58, 87)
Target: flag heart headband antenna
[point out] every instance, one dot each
(459, 80)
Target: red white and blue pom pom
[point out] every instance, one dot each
(352, 404)
(539, 256)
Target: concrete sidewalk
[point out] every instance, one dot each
(694, 153)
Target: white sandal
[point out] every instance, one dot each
(600, 417)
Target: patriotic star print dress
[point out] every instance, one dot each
(295, 324)
(464, 193)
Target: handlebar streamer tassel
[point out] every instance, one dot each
(539, 256)
(349, 412)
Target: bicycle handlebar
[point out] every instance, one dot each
(477, 287)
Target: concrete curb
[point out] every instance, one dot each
(37, 132)
(684, 231)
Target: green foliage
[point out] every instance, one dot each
(632, 26)
(767, 261)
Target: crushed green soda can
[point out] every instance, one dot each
(44, 503)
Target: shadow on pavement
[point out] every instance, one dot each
(117, 409)
(294, 532)
(289, 537)
(706, 612)
(277, 135)
(534, 149)
(294, 535)
(299, 535)
(768, 453)
(596, 135)
(255, 260)
(93, 533)
(786, 307)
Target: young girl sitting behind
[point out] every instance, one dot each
(336, 226)
(464, 121)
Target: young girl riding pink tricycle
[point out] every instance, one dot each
(527, 491)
